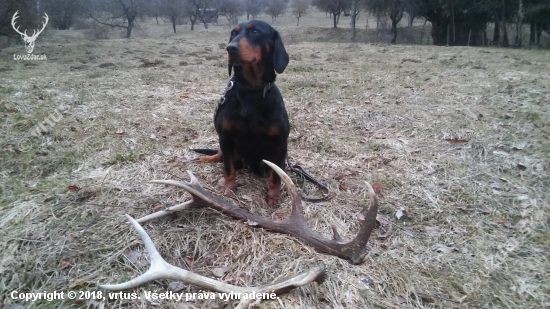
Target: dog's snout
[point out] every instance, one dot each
(232, 48)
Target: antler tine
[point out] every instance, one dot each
(295, 197)
(161, 213)
(192, 203)
(355, 250)
(44, 23)
(160, 269)
(16, 16)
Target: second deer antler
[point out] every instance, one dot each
(295, 225)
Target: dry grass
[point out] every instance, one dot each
(477, 236)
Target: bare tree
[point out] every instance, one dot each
(393, 8)
(27, 11)
(274, 8)
(231, 9)
(62, 12)
(252, 7)
(173, 9)
(299, 9)
(120, 13)
(333, 7)
(354, 11)
(200, 10)
(519, 25)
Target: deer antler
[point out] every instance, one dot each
(16, 16)
(160, 269)
(44, 23)
(295, 224)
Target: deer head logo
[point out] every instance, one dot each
(29, 40)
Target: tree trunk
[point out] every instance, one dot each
(353, 19)
(247, 16)
(496, 32)
(519, 25)
(410, 20)
(298, 22)
(130, 26)
(503, 24)
(173, 23)
(439, 32)
(395, 17)
(335, 21)
(531, 33)
(192, 20)
(538, 32)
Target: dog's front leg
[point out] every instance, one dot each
(229, 172)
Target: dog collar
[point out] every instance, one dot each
(265, 88)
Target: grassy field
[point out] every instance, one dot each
(458, 137)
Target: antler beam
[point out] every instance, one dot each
(295, 225)
(160, 269)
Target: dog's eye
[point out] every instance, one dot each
(233, 33)
(254, 31)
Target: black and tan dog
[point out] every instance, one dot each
(251, 119)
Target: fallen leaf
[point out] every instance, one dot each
(442, 248)
(119, 132)
(184, 96)
(219, 271)
(496, 185)
(400, 300)
(479, 116)
(73, 188)
(383, 246)
(521, 167)
(344, 174)
(251, 223)
(519, 146)
(432, 231)
(175, 286)
(132, 256)
(189, 260)
(282, 214)
(367, 281)
(64, 263)
(408, 212)
(76, 283)
(484, 210)
(458, 230)
(501, 221)
(383, 220)
(522, 225)
(377, 187)
(246, 198)
(454, 140)
(400, 213)
(426, 298)
(158, 207)
(522, 197)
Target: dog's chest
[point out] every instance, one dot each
(251, 117)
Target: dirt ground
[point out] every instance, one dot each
(458, 137)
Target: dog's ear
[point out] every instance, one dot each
(280, 57)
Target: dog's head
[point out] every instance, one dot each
(256, 46)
